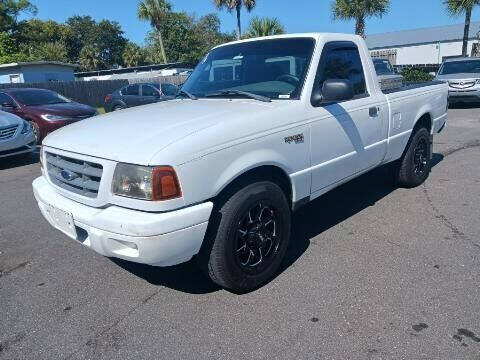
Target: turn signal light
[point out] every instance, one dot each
(165, 184)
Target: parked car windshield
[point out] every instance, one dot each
(383, 67)
(461, 67)
(272, 68)
(40, 97)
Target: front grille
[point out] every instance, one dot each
(8, 132)
(78, 176)
(462, 84)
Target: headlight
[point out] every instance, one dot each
(27, 127)
(145, 182)
(55, 117)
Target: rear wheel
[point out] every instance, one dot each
(248, 237)
(414, 167)
(118, 107)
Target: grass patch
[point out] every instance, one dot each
(101, 110)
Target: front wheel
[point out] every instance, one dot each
(36, 133)
(414, 167)
(248, 235)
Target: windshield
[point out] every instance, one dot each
(40, 97)
(383, 67)
(272, 68)
(461, 67)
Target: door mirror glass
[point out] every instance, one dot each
(333, 91)
(337, 90)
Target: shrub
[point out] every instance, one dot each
(416, 75)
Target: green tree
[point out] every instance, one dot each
(155, 11)
(265, 27)
(462, 7)
(186, 38)
(90, 58)
(79, 30)
(50, 51)
(132, 55)
(359, 10)
(10, 10)
(105, 36)
(236, 5)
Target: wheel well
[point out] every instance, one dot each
(262, 173)
(424, 121)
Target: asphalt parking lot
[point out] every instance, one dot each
(374, 273)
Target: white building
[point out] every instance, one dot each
(137, 72)
(429, 46)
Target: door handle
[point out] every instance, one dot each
(373, 111)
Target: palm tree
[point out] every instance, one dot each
(265, 27)
(237, 6)
(90, 58)
(459, 7)
(359, 10)
(155, 11)
(132, 55)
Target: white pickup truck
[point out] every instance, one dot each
(261, 127)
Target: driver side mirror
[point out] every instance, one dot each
(333, 91)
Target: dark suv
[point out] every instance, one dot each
(139, 94)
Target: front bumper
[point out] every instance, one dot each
(159, 239)
(20, 144)
(470, 95)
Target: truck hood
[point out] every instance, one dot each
(7, 119)
(135, 135)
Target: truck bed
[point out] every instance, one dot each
(411, 86)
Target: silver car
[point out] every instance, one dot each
(463, 77)
(16, 135)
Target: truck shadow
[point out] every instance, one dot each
(310, 221)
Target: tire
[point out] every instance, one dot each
(250, 223)
(414, 167)
(118, 107)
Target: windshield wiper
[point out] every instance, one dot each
(187, 94)
(240, 92)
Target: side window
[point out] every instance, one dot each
(147, 90)
(133, 90)
(343, 63)
(169, 89)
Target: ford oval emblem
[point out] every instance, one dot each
(68, 175)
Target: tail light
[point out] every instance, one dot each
(108, 98)
(165, 184)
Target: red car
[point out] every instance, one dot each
(46, 110)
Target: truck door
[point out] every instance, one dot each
(346, 137)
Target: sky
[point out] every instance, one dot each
(296, 16)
